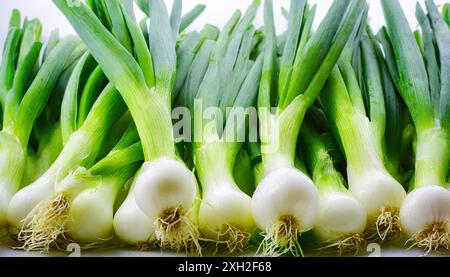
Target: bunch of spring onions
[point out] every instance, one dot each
(356, 107)
(286, 202)
(421, 71)
(164, 190)
(342, 218)
(29, 95)
(337, 132)
(230, 85)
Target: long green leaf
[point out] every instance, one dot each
(185, 56)
(384, 39)
(31, 34)
(246, 97)
(162, 48)
(69, 107)
(175, 18)
(349, 25)
(394, 121)
(24, 76)
(8, 66)
(119, 27)
(141, 50)
(190, 16)
(293, 35)
(100, 9)
(239, 72)
(429, 53)
(315, 51)
(195, 76)
(374, 88)
(126, 75)
(268, 78)
(442, 36)
(15, 19)
(413, 78)
(446, 13)
(92, 89)
(38, 93)
(51, 43)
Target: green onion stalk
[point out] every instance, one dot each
(88, 111)
(422, 78)
(89, 197)
(221, 103)
(34, 205)
(354, 101)
(286, 202)
(342, 218)
(26, 86)
(165, 189)
(446, 13)
(191, 50)
(52, 216)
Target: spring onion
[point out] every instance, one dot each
(43, 197)
(358, 114)
(165, 189)
(230, 84)
(26, 87)
(342, 219)
(286, 202)
(90, 194)
(423, 82)
(59, 215)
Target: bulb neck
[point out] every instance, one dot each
(360, 147)
(275, 161)
(214, 165)
(432, 158)
(325, 176)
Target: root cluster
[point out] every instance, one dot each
(174, 230)
(281, 238)
(232, 239)
(346, 246)
(45, 225)
(433, 237)
(387, 226)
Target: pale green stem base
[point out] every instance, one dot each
(432, 158)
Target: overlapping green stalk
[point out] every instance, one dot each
(222, 84)
(355, 102)
(146, 83)
(342, 218)
(29, 138)
(422, 75)
(292, 84)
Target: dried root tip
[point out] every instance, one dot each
(388, 223)
(387, 226)
(346, 246)
(45, 225)
(432, 238)
(232, 239)
(174, 230)
(281, 238)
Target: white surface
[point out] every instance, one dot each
(73, 252)
(217, 12)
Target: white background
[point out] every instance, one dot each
(217, 12)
